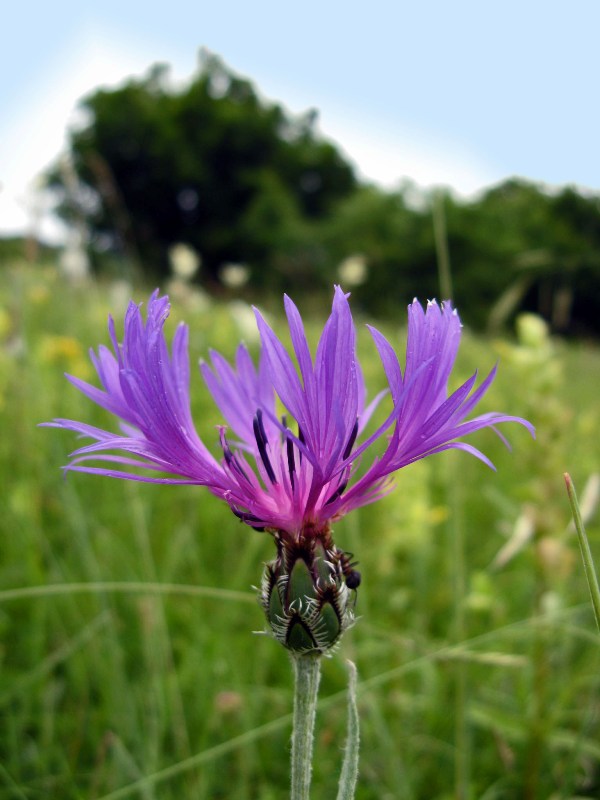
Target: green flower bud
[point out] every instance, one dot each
(307, 592)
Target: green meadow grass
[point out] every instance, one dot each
(129, 666)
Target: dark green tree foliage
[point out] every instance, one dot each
(516, 247)
(520, 247)
(209, 164)
(496, 243)
(212, 164)
(396, 241)
(576, 265)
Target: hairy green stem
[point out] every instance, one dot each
(307, 674)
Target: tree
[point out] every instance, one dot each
(522, 246)
(394, 238)
(213, 165)
(201, 164)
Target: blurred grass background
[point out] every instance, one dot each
(476, 647)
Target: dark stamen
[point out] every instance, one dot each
(302, 440)
(290, 460)
(231, 459)
(338, 493)
(261, 441)
(351, 441)
(261, 426)
(228, 454)
(238, 467)
(245, 516)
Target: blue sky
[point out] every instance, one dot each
(462, 94)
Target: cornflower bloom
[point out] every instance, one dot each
(291, 479)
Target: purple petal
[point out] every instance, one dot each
(282, 372)
(389, 359)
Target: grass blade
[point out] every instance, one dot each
(586, 553)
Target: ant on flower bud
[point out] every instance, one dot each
(353, 576)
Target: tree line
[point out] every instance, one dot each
(213, 165)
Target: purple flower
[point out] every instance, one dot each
(292, 475)
(296, 473)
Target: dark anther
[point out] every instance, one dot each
(261, 441)
(231, 460)
(245, 516)
(260, 424)
(290, 459)
(229, 457)
(351, 441)
(302, 440)
(290, 451)
(338, 492)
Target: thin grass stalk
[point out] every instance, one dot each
(349, 774)
(440, 235)
(541, 638)
(461, 734)
(586, 554)
(159, 653)
(539, 702)
(125, 587)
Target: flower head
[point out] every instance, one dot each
(292, 475)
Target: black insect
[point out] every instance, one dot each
(353, 576)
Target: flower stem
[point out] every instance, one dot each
(307, 674)
(586, 553)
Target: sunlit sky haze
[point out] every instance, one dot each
(463, 94)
